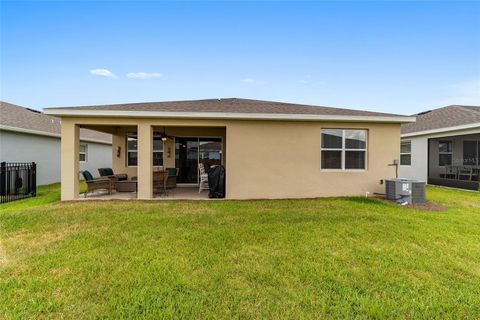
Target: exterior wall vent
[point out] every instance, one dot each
(33, 110)
(424, 112)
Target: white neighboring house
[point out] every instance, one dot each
(28, 135)
(443, 147)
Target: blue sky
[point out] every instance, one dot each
(400, 57)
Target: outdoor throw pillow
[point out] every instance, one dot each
(87, 175)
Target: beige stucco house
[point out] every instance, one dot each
(269, 149)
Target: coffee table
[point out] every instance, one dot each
(126, 186)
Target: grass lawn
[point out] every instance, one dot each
(340, 258)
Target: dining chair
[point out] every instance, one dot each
(160, 183)
(451, 172)
(465, 172)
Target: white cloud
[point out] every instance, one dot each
(467, 92)
(253, 81)
(103, 73)
(144, 75)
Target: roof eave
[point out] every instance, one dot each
(441, 130)
(226, 116)
(49, 134)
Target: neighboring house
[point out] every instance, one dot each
(269, 149)
(28, 135)
(442, 147)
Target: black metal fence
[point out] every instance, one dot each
(17, 181)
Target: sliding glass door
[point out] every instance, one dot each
(186, 159)
(190, 151)
(210, 152)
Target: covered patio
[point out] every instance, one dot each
(454, 161)
(159, 161)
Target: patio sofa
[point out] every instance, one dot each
(108, 173)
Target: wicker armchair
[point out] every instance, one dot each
(96, 184)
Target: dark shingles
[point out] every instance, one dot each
(449, 116)
(19, 117)
(230, 105)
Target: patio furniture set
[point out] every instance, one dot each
(469, 173)
(163, 180)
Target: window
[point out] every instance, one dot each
(157, 151)
(132, 151)
(406, 153)
(83, 152)
(343, 149)
(132, 158)
(471, 152)
(444, 153)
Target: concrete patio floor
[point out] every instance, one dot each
(179, 193)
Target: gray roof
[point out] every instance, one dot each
(446, 117)
(13, 116)
(229, 105)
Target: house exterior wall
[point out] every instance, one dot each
(282, 160)
(269, 159)
(99, 156)
(45, 152)
(418, 170)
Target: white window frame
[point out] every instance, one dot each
(158, 150)
(344, 150)
(130, 150)
(406, 153)
(84, 153)
(450, 153)
(136, 151)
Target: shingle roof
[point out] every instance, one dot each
(229, 105)
(446, 117)
(14, 116)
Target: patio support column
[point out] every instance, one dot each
(118, 151)
(70, 147)
(145, 161)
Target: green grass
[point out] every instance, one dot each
(45, 194)
(326, 258)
